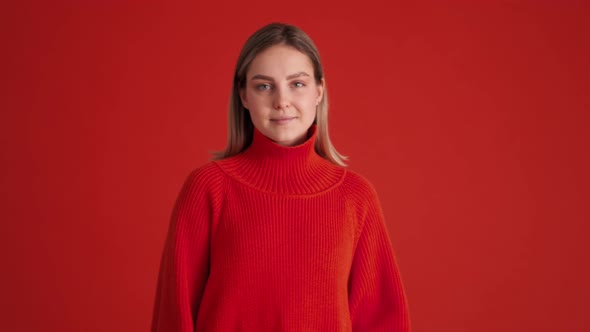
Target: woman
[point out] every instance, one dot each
(275, 234)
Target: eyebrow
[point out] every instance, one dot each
(268, 78)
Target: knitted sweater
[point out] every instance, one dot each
(278, 239)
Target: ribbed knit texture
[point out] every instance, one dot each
(278, 239)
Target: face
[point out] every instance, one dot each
(281, 94)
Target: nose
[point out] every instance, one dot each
(281, 99)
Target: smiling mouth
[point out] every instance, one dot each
(283, 120)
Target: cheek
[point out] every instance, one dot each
(257, 99)
(258, 107)
(309, 101)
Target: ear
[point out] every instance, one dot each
(320, 88)
(243, 98)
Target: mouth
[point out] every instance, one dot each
(284, 120)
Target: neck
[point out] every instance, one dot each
(271, 167)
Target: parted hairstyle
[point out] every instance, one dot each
(240, 126)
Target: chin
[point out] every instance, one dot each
(284, 139)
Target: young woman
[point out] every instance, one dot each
(275, 234)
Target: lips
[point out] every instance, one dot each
(283, 120)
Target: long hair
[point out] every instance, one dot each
(240, 126)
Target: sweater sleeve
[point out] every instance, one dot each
(377, 300)
(184, 265)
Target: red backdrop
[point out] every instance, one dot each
(471, 121)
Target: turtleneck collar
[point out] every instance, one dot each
(268, 166)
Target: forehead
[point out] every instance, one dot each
(279, 61)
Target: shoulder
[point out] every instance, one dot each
(201, 195)
(206, 174)
(206, 179)
(361, 193)
(362, 199)
(359, 187)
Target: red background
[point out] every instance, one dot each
(471, 121)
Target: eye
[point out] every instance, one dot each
(299, 84)
(263, 87)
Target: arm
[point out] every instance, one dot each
(184, 266)
(377, 299)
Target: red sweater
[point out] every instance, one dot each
(278, 239)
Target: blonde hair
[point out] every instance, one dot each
(241, 128)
